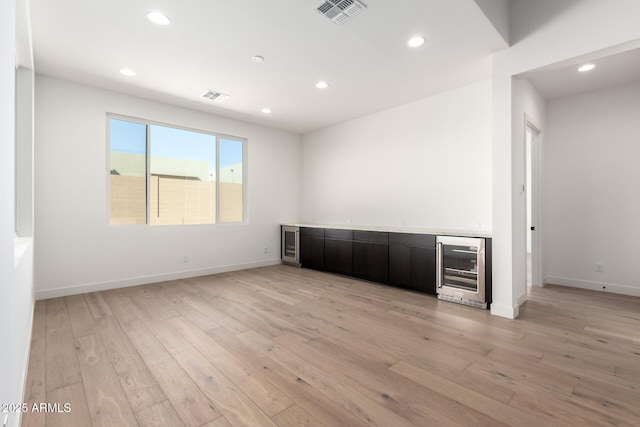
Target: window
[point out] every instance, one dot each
(230, 200)
(163, 175)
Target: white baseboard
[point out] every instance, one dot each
(505, 311)
(135, 281)
(521, 299)
(594, 286)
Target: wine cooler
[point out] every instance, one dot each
(460, 270)
(291, 245)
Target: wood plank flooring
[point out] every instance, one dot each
(281, 346)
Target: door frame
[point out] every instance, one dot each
(536, 211)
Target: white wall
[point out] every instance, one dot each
(427, 163)
(24, 151)
(16, 257)
(544, 32)
(8, 389)
(77, 250)
(592, 196)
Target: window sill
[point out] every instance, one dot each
(160, 226)
(21, 246)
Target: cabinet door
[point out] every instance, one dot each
(413, 268)
(371, 261)
(312, 252)
(400, 265)
(338, 256)
(423, 270)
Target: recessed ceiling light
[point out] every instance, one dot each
(416, 41)
(257, 58)
(322, 85)
(586, 67)
(158, 18)
(127, 72)
(266, 110)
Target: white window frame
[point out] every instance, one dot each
(148, 123)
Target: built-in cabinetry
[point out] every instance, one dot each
(401, 259)
(338, 251)
(371, 255)
(412, 261)
(312, 247)
(406, 260)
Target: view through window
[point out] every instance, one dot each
(163, 175)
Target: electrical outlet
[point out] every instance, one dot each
(403, 222)
(599, 268)
(185, 258)
(265, 250)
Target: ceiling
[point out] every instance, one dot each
(209, 45)
(564, 79)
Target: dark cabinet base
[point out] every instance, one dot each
(338, 256)
(413, 268)
(412, 261)
(312, 252)
(423, 270)
(400, 265)
(404, 260)
(371, 261)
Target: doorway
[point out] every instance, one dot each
(532, 204)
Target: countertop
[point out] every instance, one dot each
(417, 230)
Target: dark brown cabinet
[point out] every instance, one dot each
(399, 259)
(312, 248)
(423, 270)
(412, 261)
(338, 251)
(371, 255)
(400, 265)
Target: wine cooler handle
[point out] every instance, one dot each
(439, 264)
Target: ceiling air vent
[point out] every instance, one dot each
(215, 96)
(339, 11)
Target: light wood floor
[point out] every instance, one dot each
(288, 347)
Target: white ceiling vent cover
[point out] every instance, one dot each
(339, 11)
(215, 96)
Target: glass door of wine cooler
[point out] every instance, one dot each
(460, 271)
(460, 267)
(291, 244)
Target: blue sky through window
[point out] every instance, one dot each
(183, 144)
(130, 137)
(230, 152)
